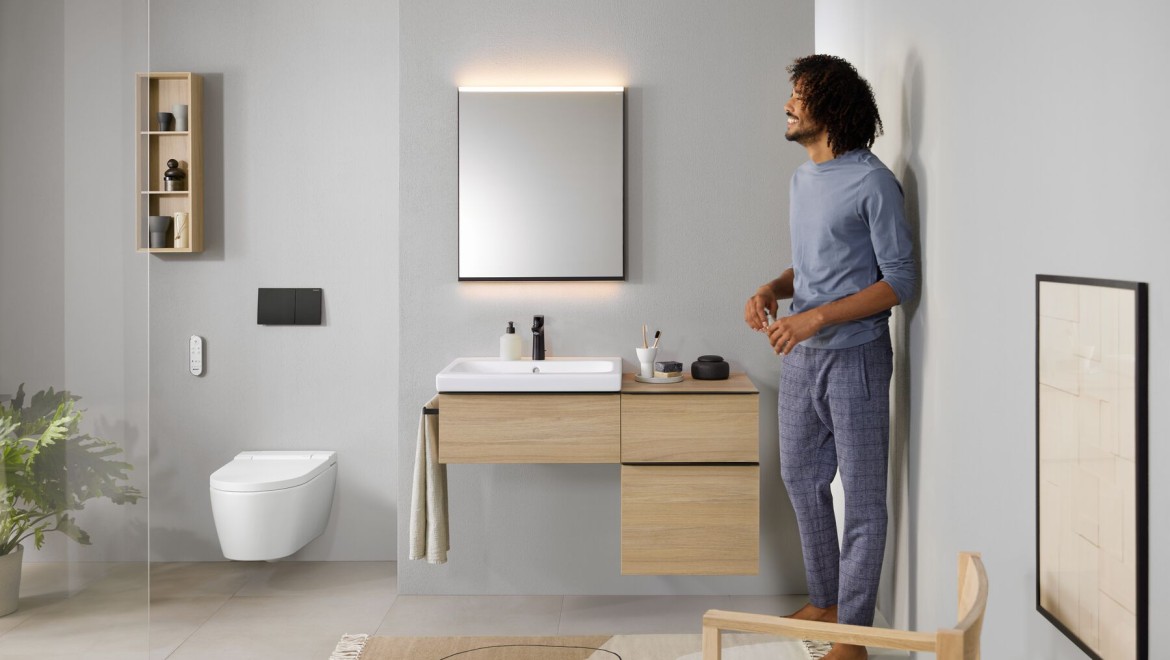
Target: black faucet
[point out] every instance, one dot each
(538, 337)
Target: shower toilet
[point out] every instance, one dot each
(269, 504)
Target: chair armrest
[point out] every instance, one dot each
(820, 631)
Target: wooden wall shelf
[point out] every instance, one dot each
(154, 93)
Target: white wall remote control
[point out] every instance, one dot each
(196, 355)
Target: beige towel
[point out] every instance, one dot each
(428, 507)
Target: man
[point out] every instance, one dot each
(851, 262)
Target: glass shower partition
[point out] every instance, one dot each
(73, 330)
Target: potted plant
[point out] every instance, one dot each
(50, 471)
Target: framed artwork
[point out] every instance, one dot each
(1092, 564)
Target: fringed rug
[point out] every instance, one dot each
(736, 646)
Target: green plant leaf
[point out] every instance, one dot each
(67, 526)
(51, 469)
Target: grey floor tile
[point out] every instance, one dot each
(420, 616)
(90, 624)
(68, 578)
(201, 578)
(319, 578)
(173, 619)
(87, 655)
(108, 616)
(47, 584)
(628, 615)
(774, 605)
(281, 627)
(243, 610)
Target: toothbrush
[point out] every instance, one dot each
(645, 344)
(657, 333)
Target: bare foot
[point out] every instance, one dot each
(811, 612)
(846, 652)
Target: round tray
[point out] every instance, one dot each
(660, 381)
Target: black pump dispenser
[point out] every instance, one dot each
(511, 329)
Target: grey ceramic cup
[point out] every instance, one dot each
(164, 121)
(159, 227)
(179, 110)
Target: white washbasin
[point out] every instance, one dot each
(560, 374)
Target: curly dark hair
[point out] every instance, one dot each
(837, 97)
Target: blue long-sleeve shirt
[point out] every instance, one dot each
(848, 231)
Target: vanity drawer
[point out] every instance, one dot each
(529, 428)
(690, 428)
(690, 520)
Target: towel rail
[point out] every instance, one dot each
(430, 411)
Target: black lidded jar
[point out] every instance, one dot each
(710, 367)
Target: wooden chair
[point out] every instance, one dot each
(958, 643)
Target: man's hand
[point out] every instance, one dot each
(789, 331)
(754, 312)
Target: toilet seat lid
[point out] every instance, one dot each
(256, 471)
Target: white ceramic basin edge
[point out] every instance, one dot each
(555, 374)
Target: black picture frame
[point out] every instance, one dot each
(1079, 554)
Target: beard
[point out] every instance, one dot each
(803, 136)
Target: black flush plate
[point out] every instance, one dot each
(288, 307)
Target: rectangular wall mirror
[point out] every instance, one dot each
(542, 183)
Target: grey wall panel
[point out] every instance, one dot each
(301, 171)
(1029, 138)
(707, 180)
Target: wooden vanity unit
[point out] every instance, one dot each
(689, 454)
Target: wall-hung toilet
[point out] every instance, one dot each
(269, 504)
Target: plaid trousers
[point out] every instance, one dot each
(834, 413)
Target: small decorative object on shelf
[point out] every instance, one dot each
(174, 179)
(164, 121)
(182, 238)
(179, 110)
(160, 226)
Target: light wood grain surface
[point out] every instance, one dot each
(529, 428)
(690, 520)
(675, 428)
(737, 383)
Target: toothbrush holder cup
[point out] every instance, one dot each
(646, 361)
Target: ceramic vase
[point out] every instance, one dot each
(182, 227)
(164, 121)
(159, 226)
(10, 580)
(179, 110)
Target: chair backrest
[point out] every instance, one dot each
(958, 643)
(962, 641)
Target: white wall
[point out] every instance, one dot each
(301, 190)
(1030, 138)
(72, 290)
(707, 184)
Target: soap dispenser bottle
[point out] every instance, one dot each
(510, 344)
